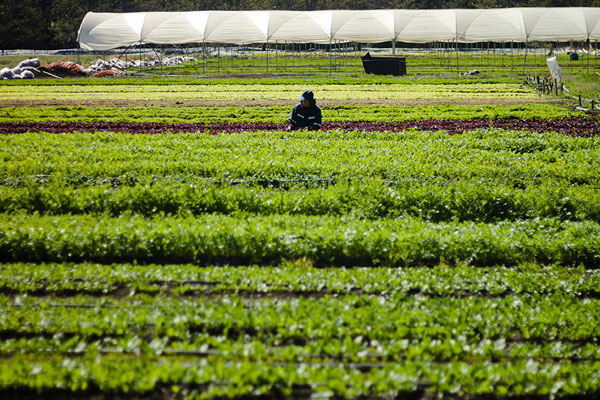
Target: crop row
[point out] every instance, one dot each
(532, 337)
(574, 126)
(387, 344)
(504, 158)
(339, 113)
(270, 346)
(146, 330)
(312, 81)
(468, 201)
(325, 240)
(352, 351)
(344, 92)
(298, 277)
(218, 378)
(394, 318)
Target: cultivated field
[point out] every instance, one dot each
(164, 238)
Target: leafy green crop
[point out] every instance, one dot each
(518, 159)
(340, 264)
(433, 79)
(294, 278)
(326, 240)
(280, 113)
(470, 200)
(338, 92)
(390, 342)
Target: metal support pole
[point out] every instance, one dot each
(456, 42)
(329, 56)
(394, 47)
(481, 54)
(525, 59)
(589, 54)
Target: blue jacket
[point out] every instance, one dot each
(306, 117)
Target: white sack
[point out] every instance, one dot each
(6, 73)
(554, 68)
(27, 75)
(32, 62)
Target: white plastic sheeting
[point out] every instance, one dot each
(554, 68)
(103, 31)
(21, 71)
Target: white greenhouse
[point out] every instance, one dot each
(449, 27)
(102, 31)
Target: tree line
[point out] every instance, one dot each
(53, 24)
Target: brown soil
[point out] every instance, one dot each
(266, 103)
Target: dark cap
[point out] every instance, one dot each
(307, 95)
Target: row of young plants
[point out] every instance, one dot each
(353, 351)
(395, 318)
(294, 278)
(216, 378)
(340, 92)
(325, 240)
(552, 334)
(466, 200)
(572, 126)
(517, 158)
(333, 113)
(389, 343)
(311, 80)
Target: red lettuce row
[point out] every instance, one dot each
(575, 126)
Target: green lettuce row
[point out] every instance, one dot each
(218, 378)
(273, 92)
(464, 201)
(292, 277)
(280, 113)
(250, 81)
(325, 240)
(491, 157)
(395, 319)
(272, 348)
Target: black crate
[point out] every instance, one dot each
(384, 65)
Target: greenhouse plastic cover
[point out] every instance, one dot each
(103, 31)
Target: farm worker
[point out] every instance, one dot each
(305, 115)
(573, 55)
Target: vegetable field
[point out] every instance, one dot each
(198, 251)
